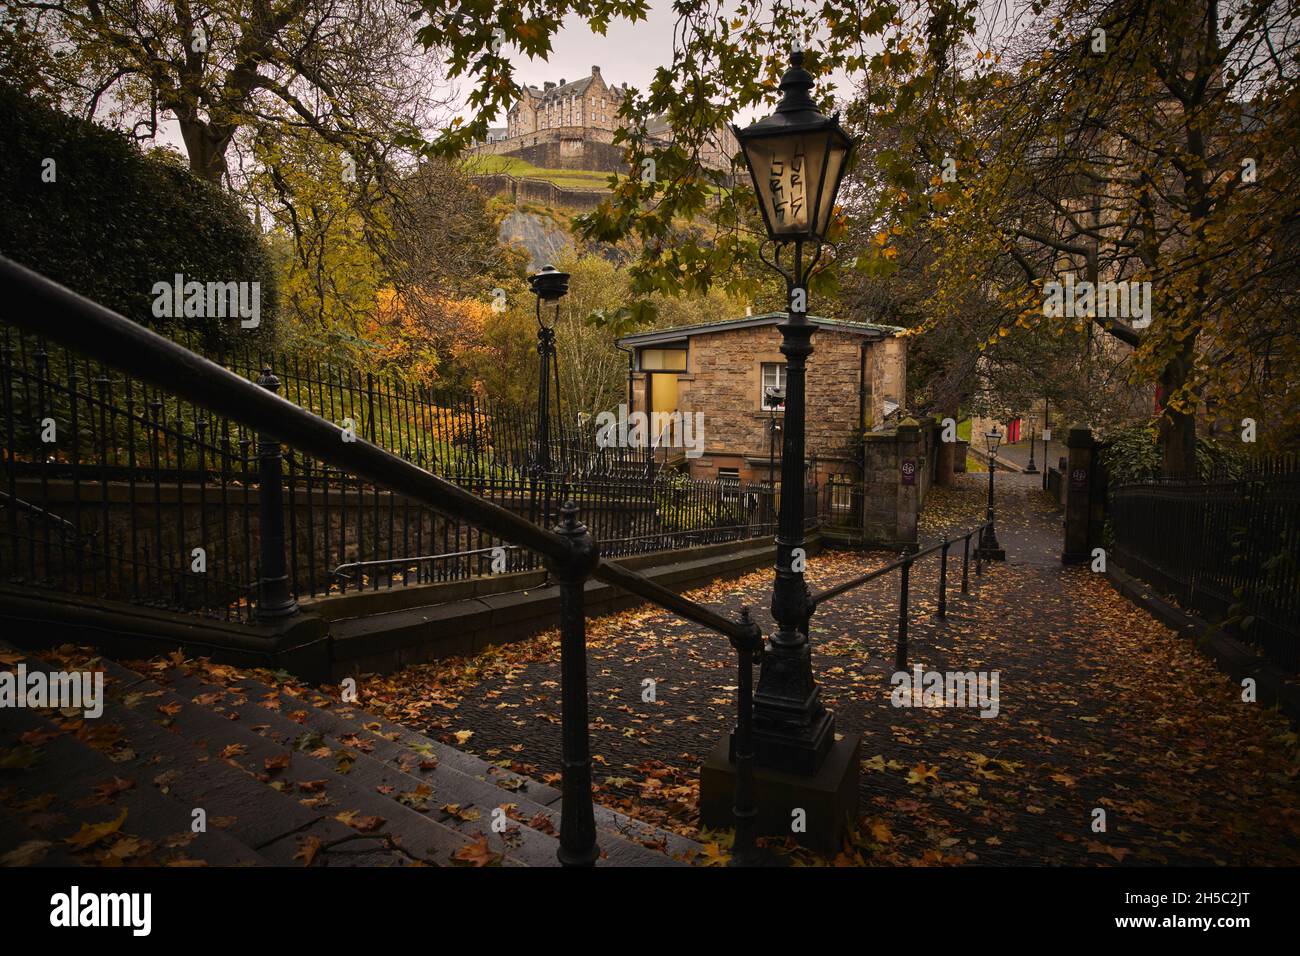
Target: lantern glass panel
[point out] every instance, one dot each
(787, 171)
(836, 156)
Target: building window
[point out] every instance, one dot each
(773, 377)
(663, 360)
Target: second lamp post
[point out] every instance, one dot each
(989, 548)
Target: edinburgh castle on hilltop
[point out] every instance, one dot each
(571, 125)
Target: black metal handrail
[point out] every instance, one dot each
(904, 565)
(46, 308)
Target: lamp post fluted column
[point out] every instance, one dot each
(549, 285)
(796, 158)
(792, 729)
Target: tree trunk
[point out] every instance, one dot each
(206, 146)
(1178, 429)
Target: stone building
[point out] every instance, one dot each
(588, 103)
(855, 384)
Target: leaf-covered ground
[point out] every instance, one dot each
(1101, 706)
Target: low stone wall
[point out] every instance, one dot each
(360, 632)
(543, 192)
(569, 147)
(467, 619)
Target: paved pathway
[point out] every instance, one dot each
(1018, 454)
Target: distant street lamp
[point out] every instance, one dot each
(796, 158)
(1047, 437)
(1031, 469)
(549, 285)
(989, 548)
(775, 400)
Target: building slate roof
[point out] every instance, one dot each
(575, 88)
(656, 336)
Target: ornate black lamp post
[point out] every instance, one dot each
(797, 157)
(1031, 468)
(989, 548)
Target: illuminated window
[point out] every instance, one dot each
(663, 360)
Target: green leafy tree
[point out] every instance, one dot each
(350, 74)
(1116, 148)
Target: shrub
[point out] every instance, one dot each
(1133, 454)
(115, 221)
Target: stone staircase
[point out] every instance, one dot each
(281, 780)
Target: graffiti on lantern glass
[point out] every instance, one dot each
(788, 188)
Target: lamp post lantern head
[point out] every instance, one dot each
(993, 439)
(775, 397)
(796, 157)
(549, 285)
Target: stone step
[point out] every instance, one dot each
(611, 821)
(279, 753)
(187, 752)
(393, 741)
(29, 847)
(60, 789)
(193, 725)
(280, 777)
(401, 761)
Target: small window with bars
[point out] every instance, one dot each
(772, 389)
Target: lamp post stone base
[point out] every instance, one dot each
(829, 799)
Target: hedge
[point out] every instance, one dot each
(115, 221)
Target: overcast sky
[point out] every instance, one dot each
(628, 53)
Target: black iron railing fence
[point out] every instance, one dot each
(903, 566)
(117, 488)
(1227, 547)
(569, 549)
(840, 505)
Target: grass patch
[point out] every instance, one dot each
(521, 168)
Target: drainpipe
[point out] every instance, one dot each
(631, 363)
(862, 404)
